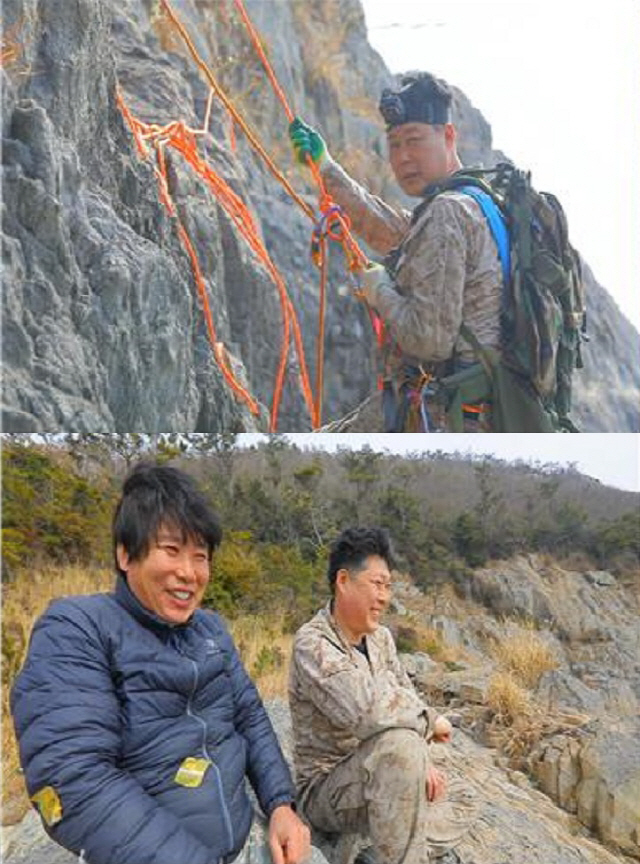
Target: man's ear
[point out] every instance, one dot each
(450, 134)
(342, 577)
(122, 557)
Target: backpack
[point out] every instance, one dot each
(543, 318)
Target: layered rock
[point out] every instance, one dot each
(597, 777)
(585, 754)
(102, 328)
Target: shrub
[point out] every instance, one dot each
(526, 657)
(410, 639)
(508, 700)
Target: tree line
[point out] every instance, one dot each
(281, 506)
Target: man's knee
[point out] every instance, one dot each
(398, 757)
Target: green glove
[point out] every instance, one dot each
(306, 141)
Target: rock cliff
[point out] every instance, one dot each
(102, 325)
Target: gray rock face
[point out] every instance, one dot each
(598, 778)
(102, 330)
(102, 325)
(590, 621)
(560, 689)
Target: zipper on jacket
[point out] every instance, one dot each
(214, 767)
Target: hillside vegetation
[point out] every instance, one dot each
(513, 603)
(281, 506)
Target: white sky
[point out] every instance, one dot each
(559, 83)
(612, 459)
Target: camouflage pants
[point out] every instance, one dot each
(380, 792)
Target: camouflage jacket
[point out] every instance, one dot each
(447, 272)
(338, 698)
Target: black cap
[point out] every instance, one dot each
(422, 98)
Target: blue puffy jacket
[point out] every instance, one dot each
(109, 704)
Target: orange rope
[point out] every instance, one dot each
(181, 137)
(320, 350)
(252, 238)
(357, 259)
(337, 225)
(206, 71)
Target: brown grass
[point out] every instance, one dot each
(518, 722)
(508, 700)
(265, 650)
(525, 656)
(22, 602)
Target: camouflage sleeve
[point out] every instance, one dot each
(424, 308)
(351, 697)
(378, 224)
(401, 675)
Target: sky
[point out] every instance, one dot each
(612, 459)
(559, 83)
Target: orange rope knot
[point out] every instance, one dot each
(328, 225)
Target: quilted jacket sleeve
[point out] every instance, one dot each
(266, 766)
(67, 720)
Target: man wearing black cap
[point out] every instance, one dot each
(442, 268)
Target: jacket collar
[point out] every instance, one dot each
(127, 599)
(328, 611)
(374, 640)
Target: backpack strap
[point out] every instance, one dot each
(497, 225)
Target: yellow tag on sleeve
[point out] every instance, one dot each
(48, 804)
(191, 772)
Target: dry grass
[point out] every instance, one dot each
(22, 602)
(518, 722)
(516, 719)
(525, 656)
(265, 650)
(413, 635)
(508, 700)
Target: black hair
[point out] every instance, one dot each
(351, 549)
(159, 495)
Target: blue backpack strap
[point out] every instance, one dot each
(496, 224)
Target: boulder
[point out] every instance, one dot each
(596, 775)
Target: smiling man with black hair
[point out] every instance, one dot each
(363, 737)
(136, 720)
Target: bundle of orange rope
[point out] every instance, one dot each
(182, 138)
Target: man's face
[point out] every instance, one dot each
(170, 580)
(362, 596)
(418, 153)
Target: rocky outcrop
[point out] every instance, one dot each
(579, 777)
(517, 822)
(102, 327)
(584, 730)
(596, 777)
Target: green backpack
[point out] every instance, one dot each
(543, 317)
